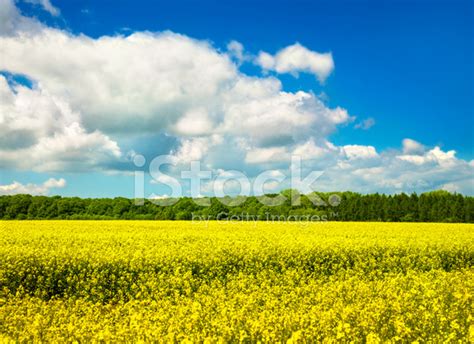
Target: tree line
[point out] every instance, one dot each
(436, 206)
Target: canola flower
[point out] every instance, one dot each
(127, 281)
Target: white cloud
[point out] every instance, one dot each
(412, 147)
(93, 94)
(55, 183)
(265, 60)
(165, 83)
(195, 148)
(194, 122)
(310, 150)
(266, 155)
(392, 171)
(434, 156)
(359, 152)
(152, 83)
(12, 22)
(236, 50)
(142, 82)
(32, 189)
(159, 197)
(46, 5)
(365, 124)
(40, 132)
(297, 58)
(451, 187)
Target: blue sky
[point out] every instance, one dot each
(402, 68)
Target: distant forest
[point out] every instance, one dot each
(436, 206)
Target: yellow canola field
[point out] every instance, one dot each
(132, 281)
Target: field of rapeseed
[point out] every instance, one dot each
(93, 281)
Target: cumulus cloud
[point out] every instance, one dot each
(412, 147)
(236, 50)
(149, 83)
(434, 156)
(266, 61)
(12, 22)
(365, 170)
(92, 96)
(40, 132)
(297, 58)
(32, 189)
(140, 83)
(311, 150)
(194, 149)
(359, 152)
(194, 122)
(265, 155)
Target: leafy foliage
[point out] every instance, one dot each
(438, 206)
